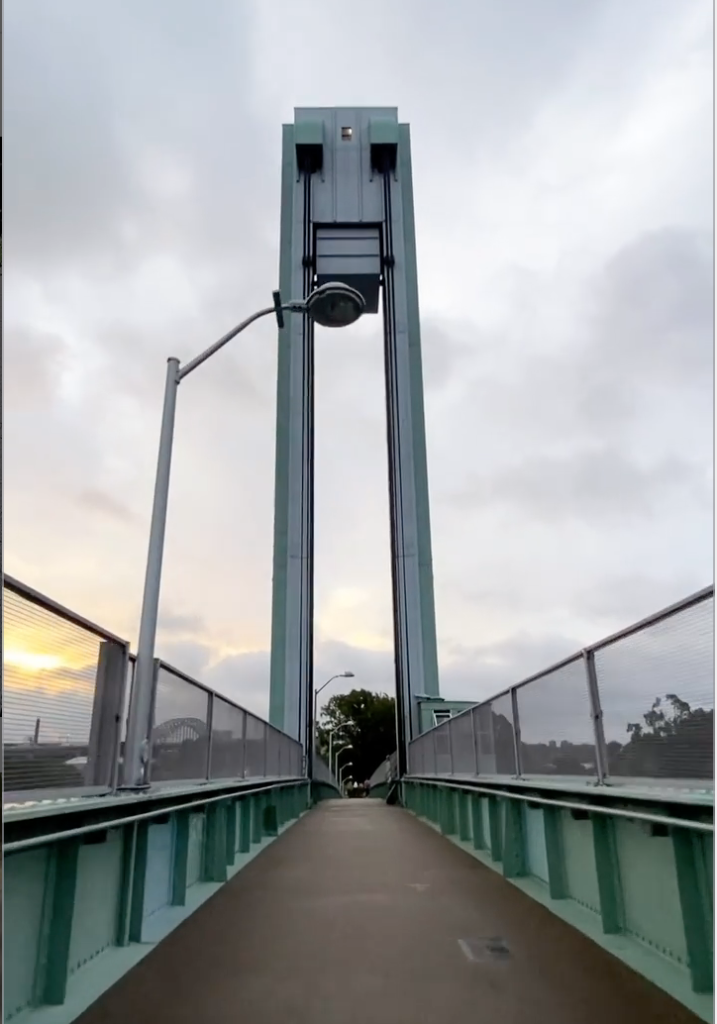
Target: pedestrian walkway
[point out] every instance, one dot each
(361, 914)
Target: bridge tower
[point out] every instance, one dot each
(347, 215)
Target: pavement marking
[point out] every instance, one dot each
(418, 886)
(484, 950)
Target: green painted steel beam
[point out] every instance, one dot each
(139, 879)
(257, 812)
(245, 824)
(215, 844)
(464, 820)
(496, 834)
(180, 858)
(59, 935)
(693, 882)
(555, 853)
(514, 857)
(447, 812)
(607, 866)
(270, 824)
(230, 832)
(631, 929)
(129, 847)
(477, 823)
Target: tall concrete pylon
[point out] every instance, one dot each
(347, 215)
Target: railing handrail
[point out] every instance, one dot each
(112, 685)
(54, 607)
(220, 696)
(40, 599)
(665, 613)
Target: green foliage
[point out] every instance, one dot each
(365, 720)
(675, 741)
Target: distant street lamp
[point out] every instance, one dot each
(346, 746)
(339, 675)
(349, 764)
(331, 305)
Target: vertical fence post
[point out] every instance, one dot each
(435, 752)
(106, 723)
(516, 732)
(147, 744)
(447, 726)
(210, 732)
(601, 764)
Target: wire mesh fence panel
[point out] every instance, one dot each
(273, 740)
(227, 752)
(463, 745)
(49, 679)
(385, 772)
(657, 693)
(442, 748)
(321, 772)
(180, 733)
(255, 745)
(503, 735)
(290, 763)
(416, 752)
(485, 746)
(429, 754)
(556, 724)
(495, 741)
(297, 760)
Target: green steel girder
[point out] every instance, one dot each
(553, 859)
(93, 875)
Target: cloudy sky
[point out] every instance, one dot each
(563, 186)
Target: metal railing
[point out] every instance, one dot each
(386, 772)
(59, 695)
(322, 773)
(199, 735)
(67, 685)
(637, 707)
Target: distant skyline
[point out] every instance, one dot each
(564, 203)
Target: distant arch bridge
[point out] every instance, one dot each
(177, 730)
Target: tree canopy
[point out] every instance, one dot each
(675, 741)
(365, 720)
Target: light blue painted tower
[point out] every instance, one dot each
(347, 215)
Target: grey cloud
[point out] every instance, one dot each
(188, 656)
(33, 363)
(645, 322)
(444, 351)
(87, 137)
(593, 486)
(175, 622)
(653, 317)
(620, 600)
(99, 501)
(476, 673)
(609, 426)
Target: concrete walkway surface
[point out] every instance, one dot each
(361, 914)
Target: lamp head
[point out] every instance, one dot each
(335, 305)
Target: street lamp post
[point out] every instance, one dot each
(331, 305)
(339, 675)
(339, 752)
(349, 764)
